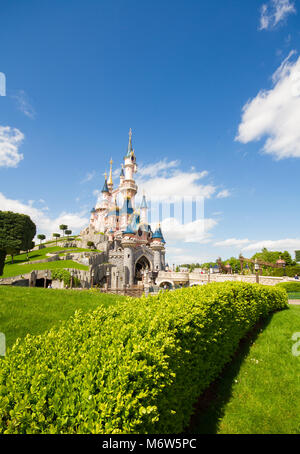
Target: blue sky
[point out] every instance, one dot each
(211, 91)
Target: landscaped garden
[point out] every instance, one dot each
(21, 265)
(139, 365)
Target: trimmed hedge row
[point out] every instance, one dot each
(137, 367)
(291, 287)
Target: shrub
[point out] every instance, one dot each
(290, 287)
(65, 276)
(136, 367)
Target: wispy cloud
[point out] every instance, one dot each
(223, 194)
(10, 141)
(164, 180)
(289, 244)
(24, 104)
(275, 12)
(46, 223)
(275, 113)
(232, 242)
(88, 177)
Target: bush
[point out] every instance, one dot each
(136, 367)
(65, 276)
(290, 287)
(289, 271)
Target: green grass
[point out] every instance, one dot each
(258, 392)
(35, 310)
(41, 254)
(294, 296)
(16, 270)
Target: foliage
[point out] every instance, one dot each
(91, 244)
(16, 233)
(257, 392)
(137, 367)
(290, 287)
(16, 270)
(25, 310)
(63, 227)
(289, 271)
(41, 237)
(65, 276)
(273, 256)
(297, 256)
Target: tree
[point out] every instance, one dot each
(56, 235)
(90, 244)
(16, 234)
(41, 237)
(63, 227)
(68, 232)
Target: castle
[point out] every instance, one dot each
(121, 230)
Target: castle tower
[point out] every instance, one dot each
(158, 247)
(129, 187)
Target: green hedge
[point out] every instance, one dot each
(137, 367)
(290, 287)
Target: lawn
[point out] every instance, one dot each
(16, 270)
(22, 266)
(40, 254)
(35, 310)
(258, 392)
(294, 296)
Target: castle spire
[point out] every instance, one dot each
(110, 181)
(129, 148)
(105, 188)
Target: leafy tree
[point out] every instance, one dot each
(56, 235)
(16, 234)
(68, 232)
(90, 244)
(63, 227)
(41, 237)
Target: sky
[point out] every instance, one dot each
(211, 90)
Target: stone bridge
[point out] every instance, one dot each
(172, 279)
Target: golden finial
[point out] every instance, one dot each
(110, 173)
(105, 175)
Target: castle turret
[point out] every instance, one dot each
(158, 247)
(129, 187)
(143, 211)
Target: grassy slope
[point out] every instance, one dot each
(21, 266)
(258, 392)
(35, 310)
(16, 270)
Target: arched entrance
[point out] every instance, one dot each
(141, 265)
(166, 285)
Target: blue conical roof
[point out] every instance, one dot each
(105, 187)
(127, 207)
(144, 203)
(158, 234)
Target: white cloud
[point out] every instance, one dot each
(190, 232)
(274, 12)
(10, 140)
(232, 242)
(88, 177)
(223, 194)
(275, 113)
(164, 181)
(24, 104)
(289, 244)
(45, 224)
